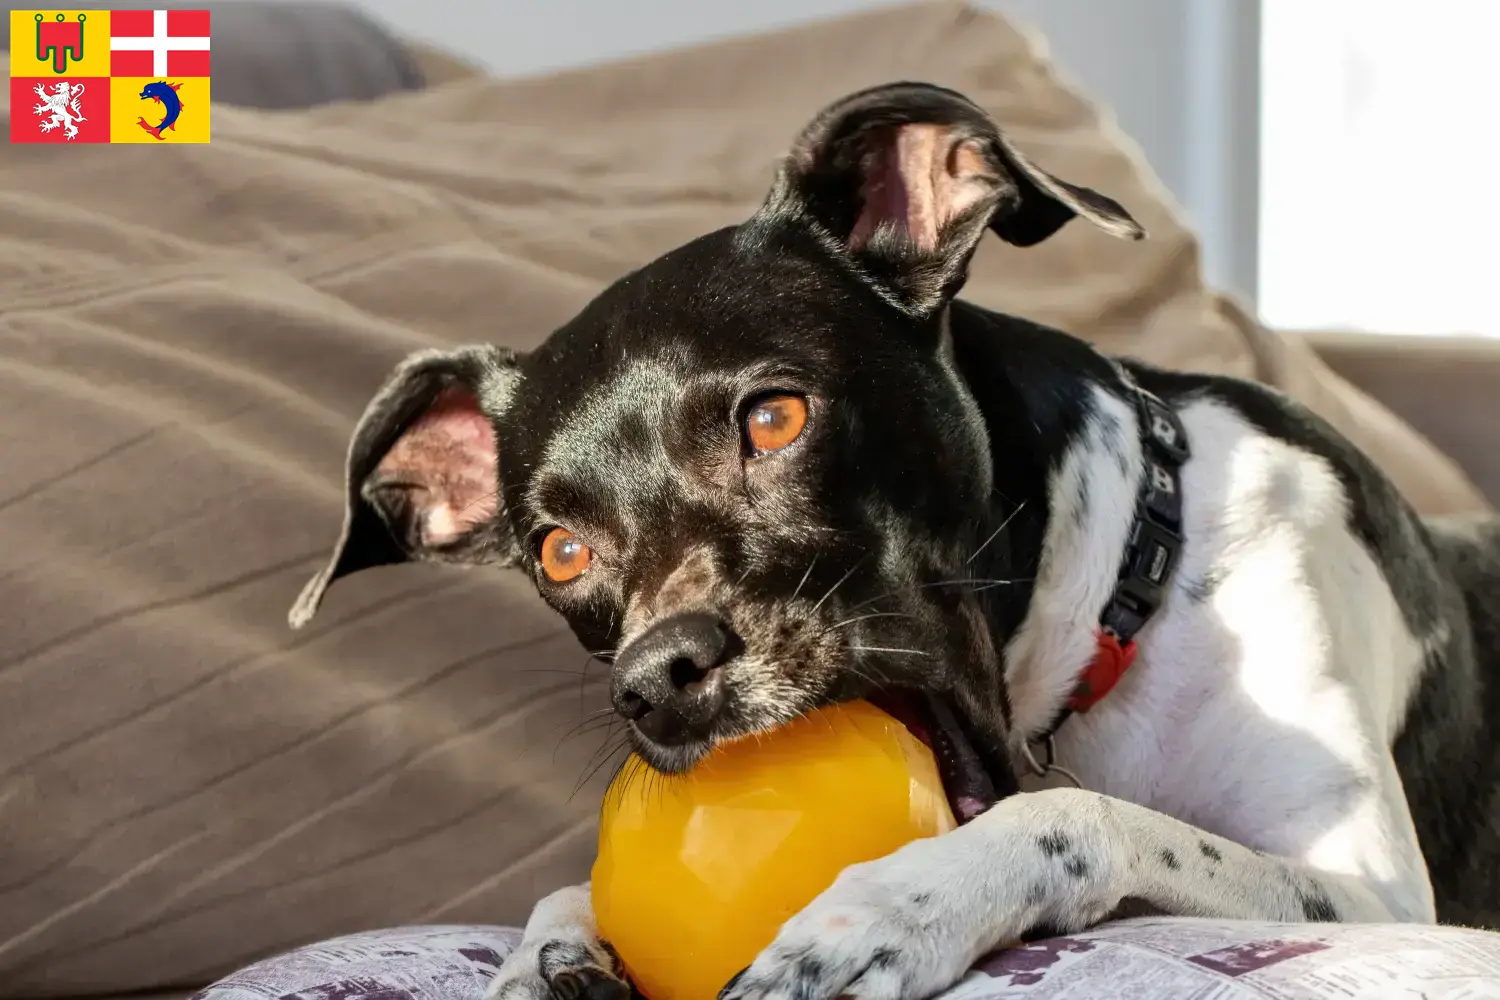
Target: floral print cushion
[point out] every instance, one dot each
(1160, 958)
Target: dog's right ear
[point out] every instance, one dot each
(907, 177)
(423, 471)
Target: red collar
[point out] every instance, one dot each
(1110, 662)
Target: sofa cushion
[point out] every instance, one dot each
(1164, 959)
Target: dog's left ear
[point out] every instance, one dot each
(908, 176)
(423, 471)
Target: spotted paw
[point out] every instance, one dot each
(572, 973)
(561, 970)
(885, 930)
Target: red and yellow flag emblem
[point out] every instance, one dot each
(109, 76)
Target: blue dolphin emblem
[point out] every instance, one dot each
(164, 94)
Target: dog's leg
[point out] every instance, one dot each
(560, 956)
(906, 926)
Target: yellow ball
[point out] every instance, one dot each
(696, 873)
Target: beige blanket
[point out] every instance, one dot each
(186, 336)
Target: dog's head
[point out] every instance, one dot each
(750, 470)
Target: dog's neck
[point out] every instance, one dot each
(1067, 455)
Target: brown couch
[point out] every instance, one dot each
(1448, 388)
(186, 337)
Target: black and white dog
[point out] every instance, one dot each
(782, 466)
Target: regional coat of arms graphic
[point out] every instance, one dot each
(60, 106)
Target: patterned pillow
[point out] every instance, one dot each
(412, 963)
(1159, 958)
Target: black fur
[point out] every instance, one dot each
(1317, 907)
(734, 981)
(1054, 844)
(1076, 866)
(1448, 752)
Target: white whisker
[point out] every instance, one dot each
(803, 582)
(859, 618)
(996, 533)
(836, 586)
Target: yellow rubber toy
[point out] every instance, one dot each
(697, 872)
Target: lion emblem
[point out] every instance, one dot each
(61, 103)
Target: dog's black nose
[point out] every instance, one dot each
(669, 682)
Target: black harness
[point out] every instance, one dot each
(1151, 555)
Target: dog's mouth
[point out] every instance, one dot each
(972, 783)
(933, 719)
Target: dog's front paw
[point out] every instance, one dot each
(561, 970)
(561, 957)
(885, 930)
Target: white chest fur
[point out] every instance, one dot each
(1271, 683)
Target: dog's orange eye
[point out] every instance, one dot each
(564, 557)
(775, 422)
